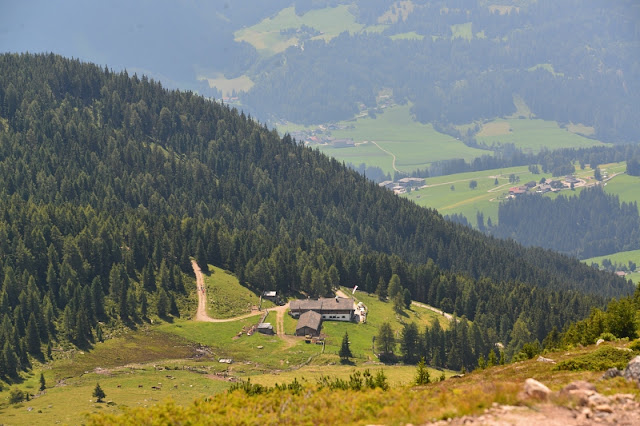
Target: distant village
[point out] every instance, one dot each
(404, 185)
(321, 135)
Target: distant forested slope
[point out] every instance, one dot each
(108, 183)
(590, 224)
(456, 61)
(570, 61)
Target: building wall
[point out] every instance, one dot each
(336, 316)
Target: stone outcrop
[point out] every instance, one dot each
(632, 371)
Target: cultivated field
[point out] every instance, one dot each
(228, 85)
(413, 144)
(265, 35)
(621, 258)
(532, 135)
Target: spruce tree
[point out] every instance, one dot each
(33, 337)
(98, 393)
(422, 373)
(43, 384)
(345, 350)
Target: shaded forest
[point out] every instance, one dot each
(592, 223)
(109, 183)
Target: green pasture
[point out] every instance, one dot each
(226, 297)
(464, 31)
(485, 198)
(71, 401)
(621, 258)
(366, 153)
(361, 334)
(228, 85)
(534, 135)
(145, 345)
(265, 35)
(412, 35)
(397, 375)
(414, 144)
(224, 342)
(626, 187)
(290, 324)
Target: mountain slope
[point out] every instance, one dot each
(108, 183)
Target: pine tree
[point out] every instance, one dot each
(43, 384)
(385, 342)
(345, 350)
(98, 393)
(33, 337)
(162, 303)
(381, 290)
(422, 373)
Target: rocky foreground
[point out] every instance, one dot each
(576, 404)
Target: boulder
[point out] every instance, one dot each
(543, 359)
(611, 373)
(579, 392)
(535, 389)
(632, 371)
(599, 341)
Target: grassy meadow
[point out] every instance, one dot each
(414, 144)
(621, 258)
(226, 298)
(532, 135)
(266, 38)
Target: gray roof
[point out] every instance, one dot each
(324, 303)
(309, 319)
(266, 325)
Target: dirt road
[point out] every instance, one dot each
(431, 308)
(201, 313)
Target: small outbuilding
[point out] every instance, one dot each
(309, 324)
(265, 328)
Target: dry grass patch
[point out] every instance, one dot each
(581, 129)
(495, 128)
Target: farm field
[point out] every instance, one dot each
(621, 258)
(624, 186)
(466, 201)
(265, 36)
(227, 85)
(532, 135)
(414, 145)
(463, 200)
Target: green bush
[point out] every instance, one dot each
(607, 337)
(635, 345)
(601, 359)
(16, 396)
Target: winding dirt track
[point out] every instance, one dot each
(201, 313)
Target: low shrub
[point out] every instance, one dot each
(601, 359)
